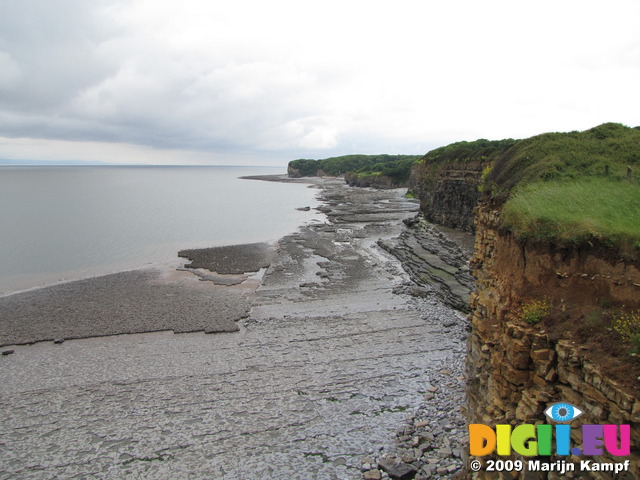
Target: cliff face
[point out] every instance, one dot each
(448, 192)
(293, 172)
(446, 180)
(373, 181)
(516, 370)
(541, 313)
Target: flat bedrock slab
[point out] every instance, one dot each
(127, 302)
(232, 259)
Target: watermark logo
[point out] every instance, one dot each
(529, 440)
(563, 412)
(538, 440)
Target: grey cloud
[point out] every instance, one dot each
(71, 73)
(245, 77)
(54, 47)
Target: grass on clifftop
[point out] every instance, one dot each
(603, 151)
(572, 188)
(583, 210)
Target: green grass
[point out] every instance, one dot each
(461, 152)
(534, 311)
(606, 150)
(582, 210)
(572, 188)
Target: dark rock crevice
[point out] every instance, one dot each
(449, 194)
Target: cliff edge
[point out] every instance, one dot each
(556, 313)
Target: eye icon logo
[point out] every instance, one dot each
(562, 412)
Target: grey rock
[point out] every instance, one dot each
(397, 470)
(234, 259)
(445, 452)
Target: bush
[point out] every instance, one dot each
(606, 150)
(485, 186)
(627, 325)
(480, 150)
(534, 311)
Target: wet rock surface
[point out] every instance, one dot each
(437, 263)
(127, 302)
(233, 259)
(333, 359)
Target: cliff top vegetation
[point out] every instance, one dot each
(572, 188)
(478, 150)
(396, 167)
(603, 151)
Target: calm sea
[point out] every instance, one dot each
(66, 223)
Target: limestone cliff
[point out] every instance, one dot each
(446, 181)
(515, 370)
(373, 180)
(293, 172)
(449, 193)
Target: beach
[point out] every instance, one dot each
(323, 358)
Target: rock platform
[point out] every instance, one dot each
(336, 373)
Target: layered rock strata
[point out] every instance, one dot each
(448, 192)
(437, 264)
(516, 370)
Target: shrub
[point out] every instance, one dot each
(481, 150)
(534, 310)
(485, 186)
(627, 325)
(594, 319)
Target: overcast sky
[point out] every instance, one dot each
(264, 82)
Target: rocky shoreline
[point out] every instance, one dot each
(437, 261)
(343, 367)
(431, 441)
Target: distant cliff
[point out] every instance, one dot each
(447, 180)
(378, 171)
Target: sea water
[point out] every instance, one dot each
(66, 223)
